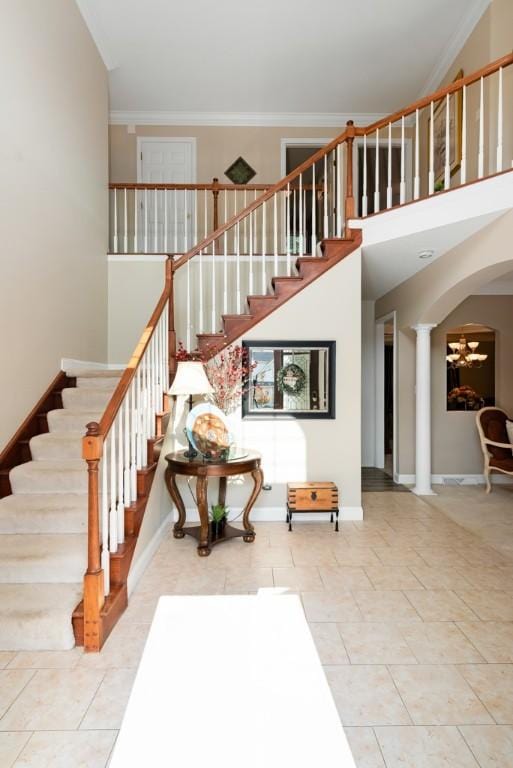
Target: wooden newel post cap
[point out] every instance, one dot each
(92, 443)
(350, 122)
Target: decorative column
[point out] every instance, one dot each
(423, 410)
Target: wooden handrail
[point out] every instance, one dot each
(504, 61)
(209, 187)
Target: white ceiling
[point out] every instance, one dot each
(276, 56)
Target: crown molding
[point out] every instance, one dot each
(261, 119)
(454, 46)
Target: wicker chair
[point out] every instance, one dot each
(497, 450)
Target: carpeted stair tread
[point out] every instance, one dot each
(57, 445)
(52, 558)
(95, 373)
(49, 477)
(35, 513)
(37, 617)
(103, 382)
(86, 399)
(64, 420)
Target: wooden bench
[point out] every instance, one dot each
(231, 682)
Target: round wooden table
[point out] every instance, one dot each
(244, 462)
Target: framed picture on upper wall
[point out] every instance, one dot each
(290, 379)
(439, 134)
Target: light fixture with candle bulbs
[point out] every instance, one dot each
(464, 354)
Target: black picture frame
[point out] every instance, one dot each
(249, 412)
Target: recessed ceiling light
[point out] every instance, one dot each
(427, 254)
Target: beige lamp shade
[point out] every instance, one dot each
(190, 379)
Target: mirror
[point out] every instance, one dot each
(290, 378)
(470, 360)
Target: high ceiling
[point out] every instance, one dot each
(276, 56)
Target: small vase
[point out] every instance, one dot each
(217, 529)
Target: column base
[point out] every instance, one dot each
(423, 491)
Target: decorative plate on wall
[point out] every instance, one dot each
(240, 172)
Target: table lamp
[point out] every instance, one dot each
(190, 379)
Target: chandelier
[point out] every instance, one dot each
(464, 354)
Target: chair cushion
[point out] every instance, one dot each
(494, 427)
(505, 464)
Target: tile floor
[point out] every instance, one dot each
(411, 611)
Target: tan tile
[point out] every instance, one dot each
(355, 556)
(439, 605)
(484, 556)
(373, 643)
(12, 682)
(339, 577)
(488, 578)
(365, 748)
(11, 744)
(273, 556)
(46, 659)
(108, 706)
(54, 699)
(491, 744)
(385, 605)
(329, 606)
(6, 657)
(392, 577)
(328, 643)
(440, 643)
(211, 582)
(67, 749)
(123, 649)
(424, 747)
(493, 605)
(438, 695)
(433, 556)
(398, 556)
(493, 639)
(440, 577)
(317, 556)
(366, 695)
(493, 683)
(303, 579)
(245, 579)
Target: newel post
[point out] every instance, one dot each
(94, 592)
(349, 205)
(171, 334)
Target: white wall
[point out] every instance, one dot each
(368, 384)
(53, 200)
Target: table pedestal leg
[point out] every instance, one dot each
(172, 487)
(202, 500)
(258, 479)
(222, 491)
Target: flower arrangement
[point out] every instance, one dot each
(465, 396)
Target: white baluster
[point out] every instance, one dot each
(195, 203)
(127, 494)
(136, 218)
(125, 223)
(339, 192)
(200, 296)
(185, 227)
(250, 257)
(463, 169)
(145, 220)
(376, 175)
(133, 441)
(402, 186)
(416, 182)
(155, 223)
(314, 212)
(165, 221)
(294, 221)
(287, 230)
(447, 166)
(225, 244)
(115, 221)
(105, 554)
(275, 232)
(120, 510)
(389, 185)
(480, 159)
(139, 448)
(325, 196)
(255, 226)
(175, 216)
(213, 320)
(245, 225)
(364, 184)
(301, 219)
(113, 518)
(431, 175)
(264, 248)
(237, 247)
(333, 192)
(188, 305)
(499, 126)
(205, 214)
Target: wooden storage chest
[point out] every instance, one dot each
(312, 497)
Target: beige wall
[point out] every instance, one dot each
(53, 200)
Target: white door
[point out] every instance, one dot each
(166, 218)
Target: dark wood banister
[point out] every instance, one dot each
(209, 187)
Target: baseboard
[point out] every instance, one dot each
(69, 364)
(142, 563)
(458, 479)
(278, 515)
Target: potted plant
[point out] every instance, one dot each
(218, 517)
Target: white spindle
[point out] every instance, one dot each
(113, 518)
(105, 554)
(255, 226)
(463, 169)
(402, 185)
(287, 229)
(416, 182)
(364, 184)
(325, 196)
(431, 175)
(275, 232)
(115, 221)
(389, 184)
(200, 296)
(188, 309)
(155, 223)
(447, 166)
(136, 218)
(205, 216)
(264, 244)
(127, 491)
(245, 225)
(195, 204)
(237, 266)
(120, 510)
(301, 219)
(250, 256)
(165, 221)
(376, 175)
(133, 441)
(480, 159)
(314, 211)
(185, 225)
(213, 317)
(139, 446)
(499, 125)
(339, 192)
(225, 244)
(125, 223)
(145, 221)
(333, 192)
(175, 218)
